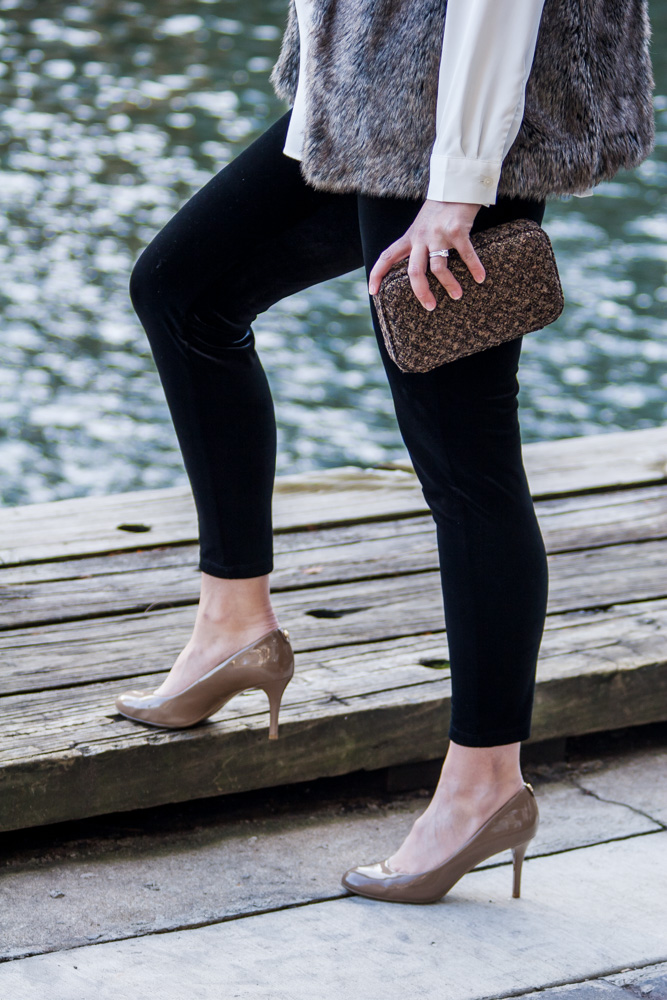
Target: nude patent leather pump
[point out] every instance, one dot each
(266, 663)
(512, 826)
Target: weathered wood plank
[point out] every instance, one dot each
(609, 518)
(578, 522)
(86, 525)
(594, 462)
(367, 706)
(590, 462)
(363, 603)
(125, 646)
(136, 581)
(598, 640)
(323, 616)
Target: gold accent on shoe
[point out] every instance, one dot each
(266, 663)
(512, 826)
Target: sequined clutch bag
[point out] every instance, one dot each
(520, 293)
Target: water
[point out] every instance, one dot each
(111, 115)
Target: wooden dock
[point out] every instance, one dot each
(99, 594)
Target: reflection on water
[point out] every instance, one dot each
(112, 114)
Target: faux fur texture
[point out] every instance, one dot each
(372, 78)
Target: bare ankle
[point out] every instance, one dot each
(208, 633)
(479, 774)
(247, 621)
(235, 606)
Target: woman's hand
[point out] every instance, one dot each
(440, 225)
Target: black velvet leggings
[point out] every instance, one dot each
(257, 233)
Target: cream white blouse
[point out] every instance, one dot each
(487, 54)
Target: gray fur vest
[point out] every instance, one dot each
(372, 79)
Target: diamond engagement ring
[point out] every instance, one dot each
(439, 253)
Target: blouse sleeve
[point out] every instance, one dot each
(487, 54)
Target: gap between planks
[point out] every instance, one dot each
(82, 526)
(605, 542)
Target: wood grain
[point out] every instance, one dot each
(67, 754)
(87, 525)
(91, 606)
(60, 591)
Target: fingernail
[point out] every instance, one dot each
(456, 296)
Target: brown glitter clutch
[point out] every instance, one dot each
(520, 293)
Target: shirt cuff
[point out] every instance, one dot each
(462, 178)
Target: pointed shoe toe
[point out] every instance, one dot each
(372, 880)
(130, 701)
(512, 826)
(267, 664)
(141, 706)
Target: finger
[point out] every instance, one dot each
(467, 254)
(417, 275)
(397, 251)
(445, 277)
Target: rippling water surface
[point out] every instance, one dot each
(111, 115)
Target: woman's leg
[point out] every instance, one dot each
(460, 425)
(253, 235)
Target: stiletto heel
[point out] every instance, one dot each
(266, 663)
(274, 692)
(518, 854)
(513, 825)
